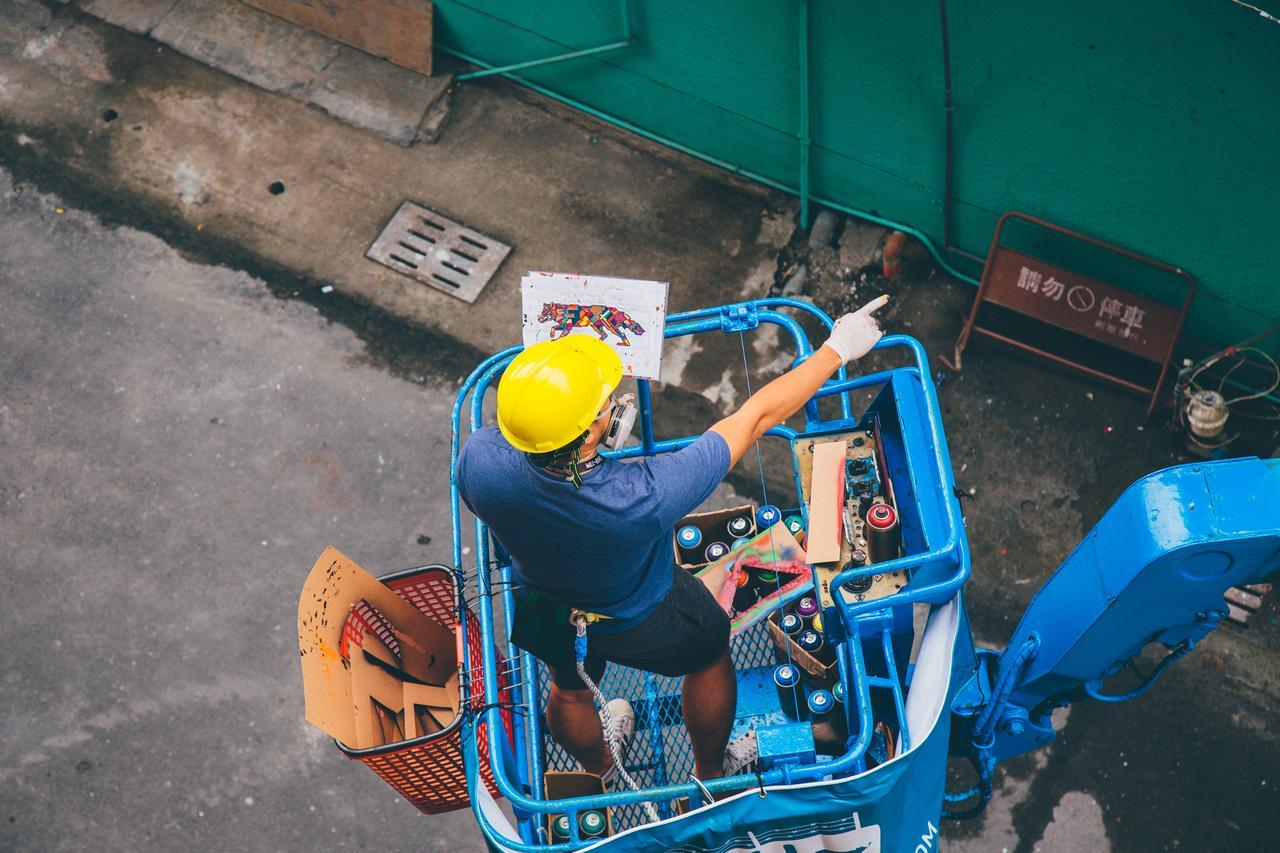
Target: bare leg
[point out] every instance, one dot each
(575, 724)
(710, 697)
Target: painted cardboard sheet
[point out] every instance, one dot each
(774, 548)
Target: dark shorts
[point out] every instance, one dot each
(685, 633)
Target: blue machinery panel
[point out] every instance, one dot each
(1153, 570)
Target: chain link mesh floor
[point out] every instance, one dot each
(660, 754)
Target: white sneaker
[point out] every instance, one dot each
(740, 753)
(618, 720)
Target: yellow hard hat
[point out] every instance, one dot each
(551, 392)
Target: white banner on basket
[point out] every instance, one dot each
(627, 314)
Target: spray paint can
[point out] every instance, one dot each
(809, 640)
(688, 536)
(829, 729)
(767, 516)
(560, 828)
(795, 524)
(740, 543)
(739, 526)
(786, 678)
(882, 533)
(812, 642)
(807, 608)
(837, 693)
(591, 824)
(791, 624)
(715, 551)
(746, 594)
(820, 703)
(766, 581)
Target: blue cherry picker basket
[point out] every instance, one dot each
(899, 658)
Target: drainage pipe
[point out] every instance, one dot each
(948, 167)
(805, 139)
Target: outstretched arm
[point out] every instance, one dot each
(852, 337)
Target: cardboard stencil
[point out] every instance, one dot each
(627, 314)
(373, 686)
(333, 586)
(774, 548)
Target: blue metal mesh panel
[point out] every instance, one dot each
(661, 755)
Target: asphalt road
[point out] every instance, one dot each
(177, 446)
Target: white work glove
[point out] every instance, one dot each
(856, 333)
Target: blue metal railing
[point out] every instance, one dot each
(525, 791)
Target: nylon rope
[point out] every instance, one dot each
(615, 750)
(764, 496)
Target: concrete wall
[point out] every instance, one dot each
(1149, 124)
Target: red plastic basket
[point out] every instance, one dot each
(428, 771)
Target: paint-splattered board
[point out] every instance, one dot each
(627, 314)
(862, 445)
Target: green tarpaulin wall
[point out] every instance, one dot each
(1152, 125)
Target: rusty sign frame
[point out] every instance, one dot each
(984, 287)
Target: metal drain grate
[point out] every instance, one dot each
(1244, 601)
(437, 251)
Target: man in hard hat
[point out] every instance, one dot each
(595, 534)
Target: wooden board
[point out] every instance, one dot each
(396, 30)
(826, 503)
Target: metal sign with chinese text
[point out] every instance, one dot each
(1082, 305)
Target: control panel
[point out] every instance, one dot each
(870, 515)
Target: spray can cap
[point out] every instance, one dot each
(820, 701)
(809, 640)
(591, 823)
(881, 516)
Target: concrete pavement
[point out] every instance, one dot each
(191, 153)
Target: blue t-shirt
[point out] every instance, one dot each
(606, 547)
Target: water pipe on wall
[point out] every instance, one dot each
(628, 39)
(948, 196)
(805, 140)
(805, 192)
